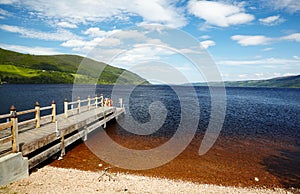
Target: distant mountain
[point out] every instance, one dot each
(25, 68)
(279, 82)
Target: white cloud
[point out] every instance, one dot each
(272, 20)
(290, 74)
(60, 35)
(155, 41)
(8, 2)
(266, 61)
(141, 53)
(4, 13)
(292, 37)
(73, 43)
(107, 42)
(251, 40)
(267, 49)
(207, 43)
(120, 34)
(86, 46)
(255, 75)
(205, 37)
(67, 25)
(85, 11)
(131, 34)
(96, 32)
(30, 50)
(108, 39)
(243, 75)
(260, 75)
(189, 51)
(291, 6)
(263, 40)
(219, 13)
(160, 11)
(296, 57)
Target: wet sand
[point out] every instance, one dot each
(233, 161)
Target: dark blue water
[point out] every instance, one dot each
(249, 111)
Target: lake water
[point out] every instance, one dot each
(260, 136)
(249, 111)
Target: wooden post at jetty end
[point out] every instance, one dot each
(14, 129)
(37, 115)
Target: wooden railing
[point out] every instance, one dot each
(7, 125)
(14, 125)
(78, 106)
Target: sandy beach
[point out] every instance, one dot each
(59, 180)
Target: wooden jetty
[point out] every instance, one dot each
(41, 137)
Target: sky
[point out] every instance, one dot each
(244, 40)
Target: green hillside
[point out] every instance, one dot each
(24, 68)
(280, 82)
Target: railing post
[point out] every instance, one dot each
(37, 115)
(78, 105)
(89, 102)
(121, 102)
(53, 111)
(101, 100)
(66, 108)
(96, 101)
(14, 129)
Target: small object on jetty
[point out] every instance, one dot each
(256, 179)
(100, 165)
(60, 158)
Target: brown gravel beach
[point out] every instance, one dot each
(243, 162)
(59, 180)
(231, 166)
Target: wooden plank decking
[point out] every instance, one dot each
(41, 143)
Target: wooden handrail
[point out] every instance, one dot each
(26, 122)
(5, 125)
(13, 123)
(46, 108)
(91, 102)
(26, 112)
(5, 139)
(4, 116)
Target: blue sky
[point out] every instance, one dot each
(246, 39)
